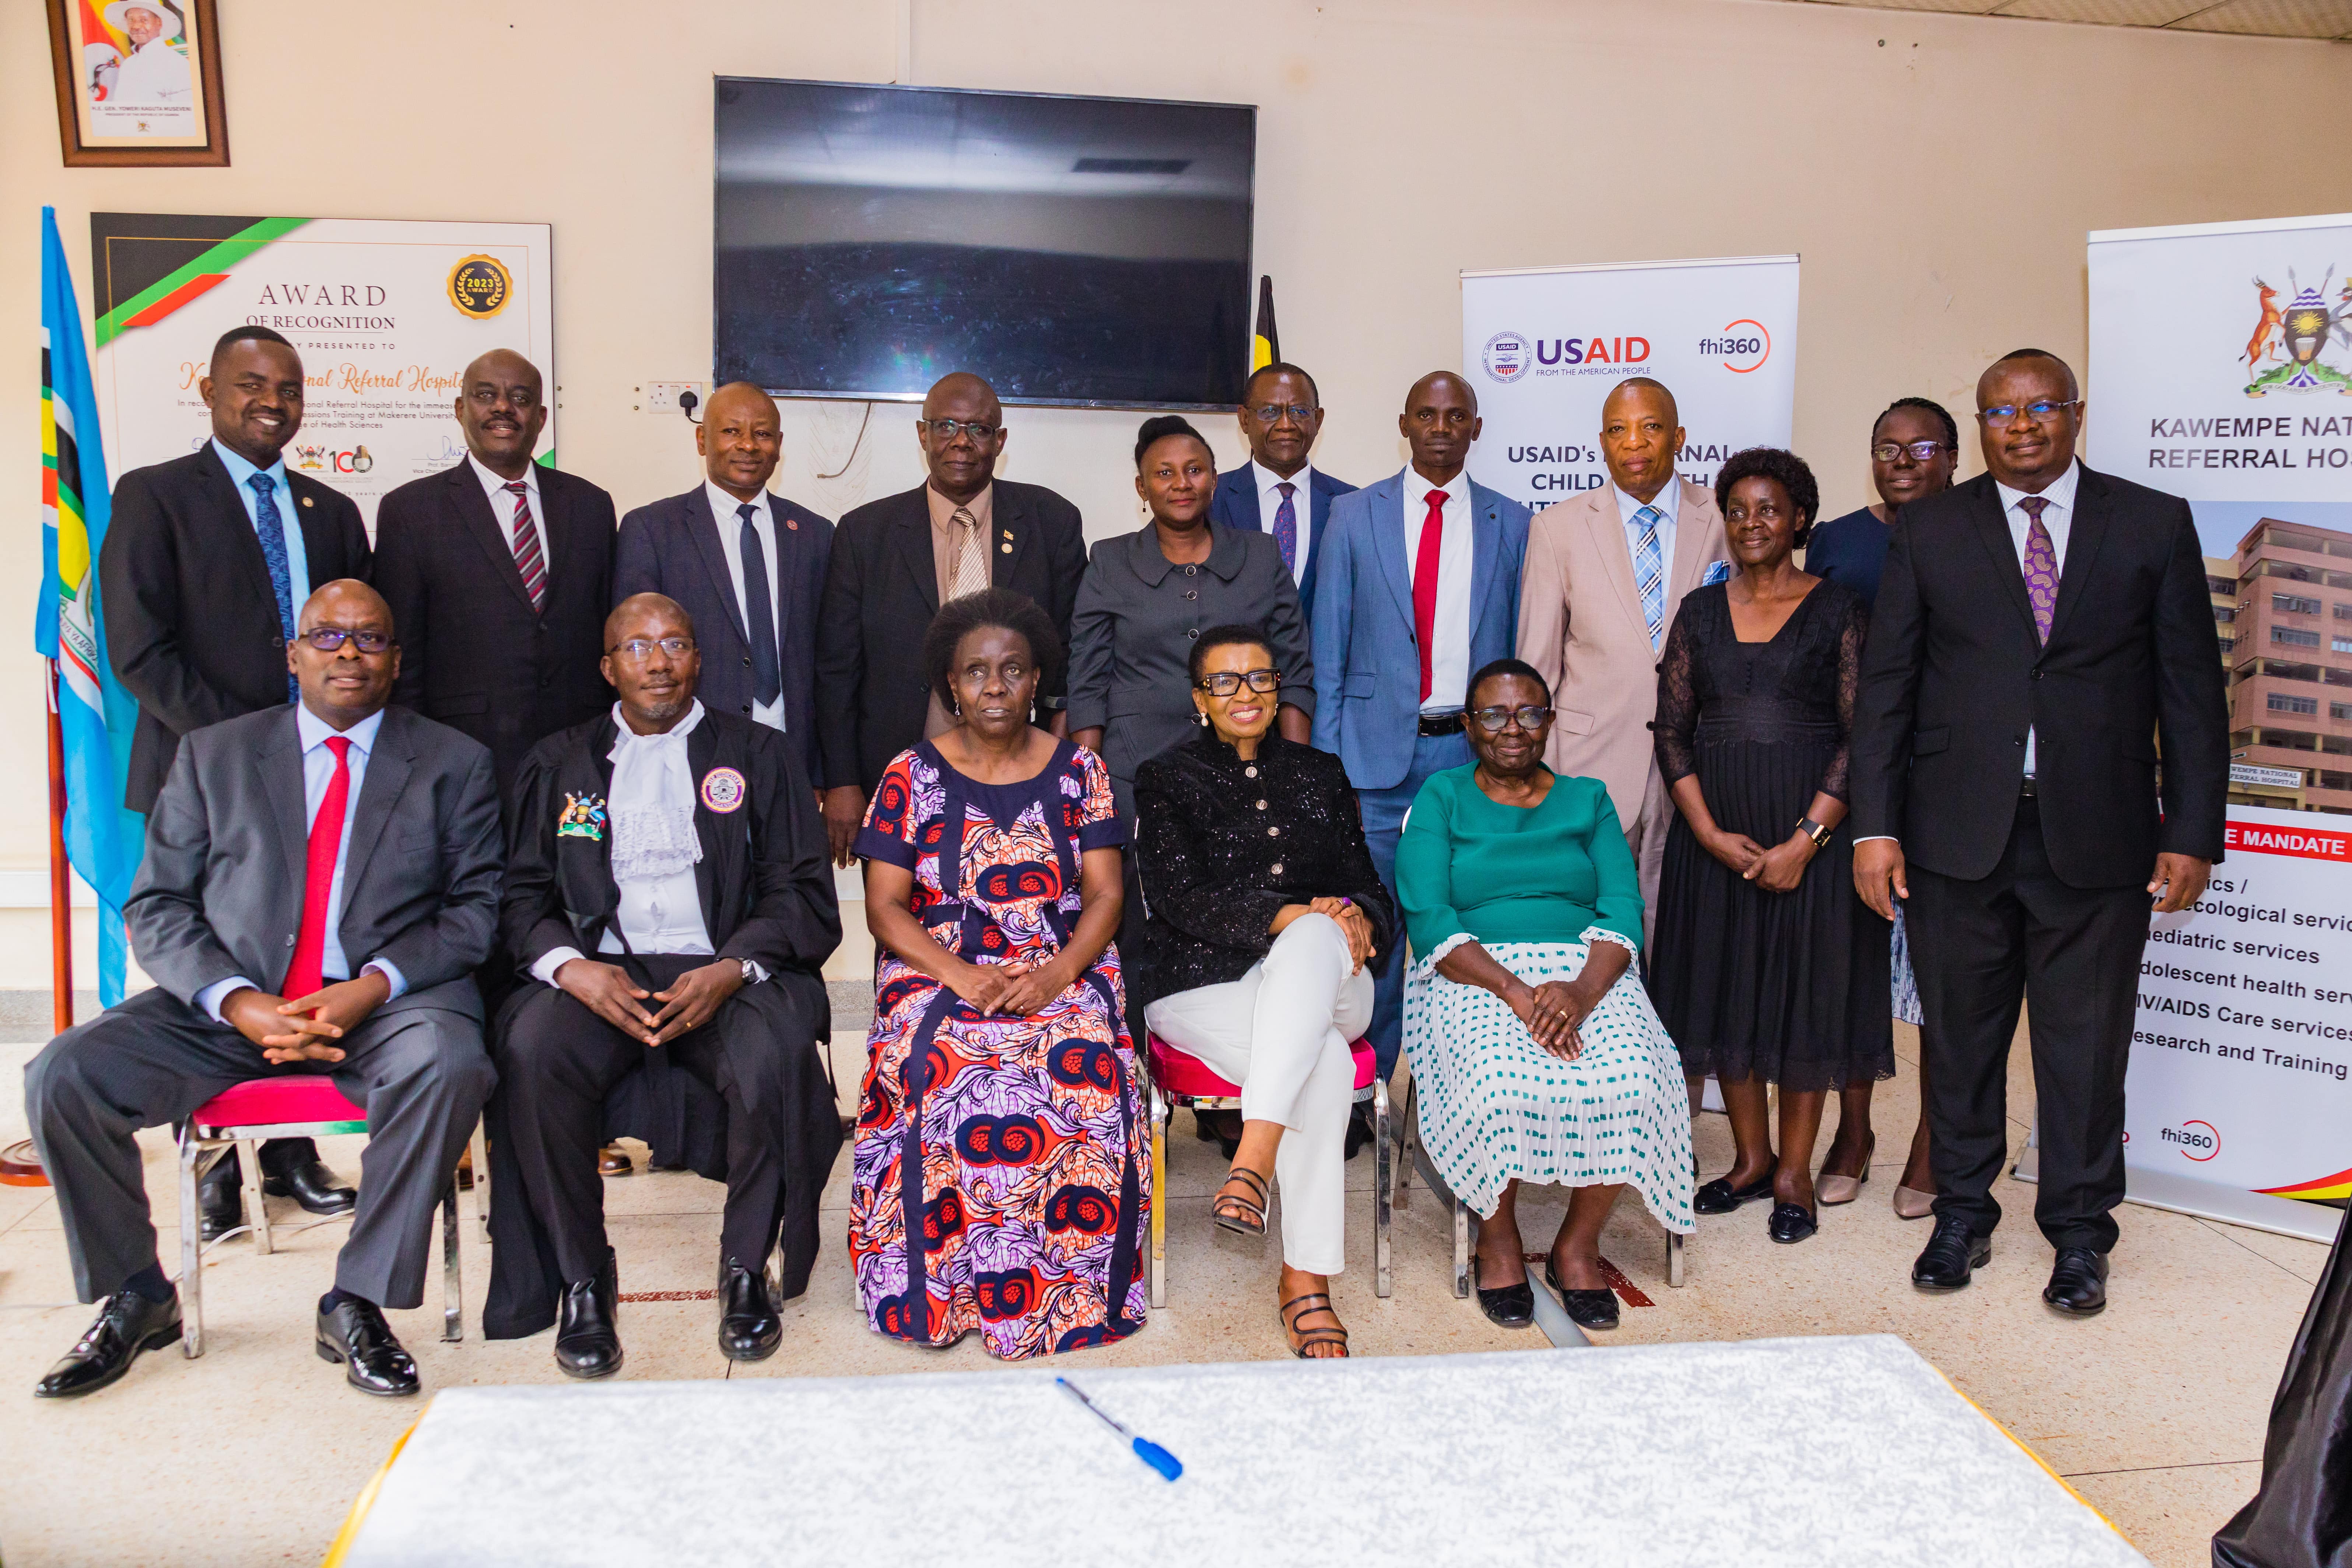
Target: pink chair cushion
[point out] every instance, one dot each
(278, 1101)
(1184, 1076)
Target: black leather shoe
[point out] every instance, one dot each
(126, 1324)
(1586, 1309)
(1506, 1306)
(2078, 1284)
(1719, 1196)
(1222, 1128)
(312, 1185)
(355, 1334)
(1790, 1224)
(587, 1328)
(1360, 1128)
(1950, 1256)
(220, 1198)
(748, 1328)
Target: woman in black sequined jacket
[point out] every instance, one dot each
(1263, 914)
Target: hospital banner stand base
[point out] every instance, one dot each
(2206, 1200)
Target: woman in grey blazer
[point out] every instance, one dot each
(1147, 597)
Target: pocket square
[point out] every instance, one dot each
(1717, 572)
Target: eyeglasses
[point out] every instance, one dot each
(1494, 720)
(1921, 451)
(1272, 413)
(2040, 412)
(642, 648)
(327, 640)
(1224, 683)
(948, 429)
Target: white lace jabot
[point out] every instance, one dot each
(652, 801)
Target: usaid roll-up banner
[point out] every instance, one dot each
(386, 314)
(1544, 345)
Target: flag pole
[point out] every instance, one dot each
(60, 870)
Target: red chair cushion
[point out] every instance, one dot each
(277, 1101)
(1185, 1075)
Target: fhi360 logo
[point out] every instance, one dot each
(2196, 1141)
(1743, 347)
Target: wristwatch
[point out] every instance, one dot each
(1818, 832)
(752, 973)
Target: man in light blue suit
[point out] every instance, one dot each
(1418, 586)
(1278, 491)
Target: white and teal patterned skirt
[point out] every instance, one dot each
(1495, 1107)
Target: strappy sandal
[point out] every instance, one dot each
(1303, 1342)
(1247, 1215)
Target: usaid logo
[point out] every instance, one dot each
(1506, 357)
(2196, 1141)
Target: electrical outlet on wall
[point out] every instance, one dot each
(661, 396)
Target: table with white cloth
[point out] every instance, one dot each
(1800, 1451)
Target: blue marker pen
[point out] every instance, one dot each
(1150, 1453)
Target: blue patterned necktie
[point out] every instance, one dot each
(1650, 573)
(272, 529)
(1285, 527)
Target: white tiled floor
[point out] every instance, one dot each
(2153, 1411)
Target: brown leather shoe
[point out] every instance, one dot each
(614, 1161)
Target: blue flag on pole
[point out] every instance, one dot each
(94, 713)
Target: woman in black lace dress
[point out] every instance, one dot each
(1766, 968)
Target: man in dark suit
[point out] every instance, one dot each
(747, 565)
(206, 562)
(704, 952)
(2041, 748)
(896, 559)
(321, 882)
(498, 573)
(1278, 491)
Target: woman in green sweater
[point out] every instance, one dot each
(1535, 1053)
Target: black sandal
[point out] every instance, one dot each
(1305, 1340)
(1248, 1216)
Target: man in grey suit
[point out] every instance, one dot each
(321, 881)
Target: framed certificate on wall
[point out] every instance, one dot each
(138, 82)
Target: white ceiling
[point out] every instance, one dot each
(2271, 18)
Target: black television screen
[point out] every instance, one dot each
(1072, 250)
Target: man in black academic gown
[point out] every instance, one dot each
(669, 903)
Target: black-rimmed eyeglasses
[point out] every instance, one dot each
(948, 429)
(1921, 451)
(642, 648)
(2041, 412)
(1272, 413)
(1224, 683)
(1495, 720)
(329, 639)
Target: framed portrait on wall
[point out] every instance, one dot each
(138, 82)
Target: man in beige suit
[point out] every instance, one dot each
(1604, 575)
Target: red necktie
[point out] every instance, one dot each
(1424, 582)
(529, 559)
(302, 975)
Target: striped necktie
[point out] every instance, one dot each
(1650, 573)
(530, 560)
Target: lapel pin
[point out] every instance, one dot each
(794, 523)
(306, 501)
(1006, 548)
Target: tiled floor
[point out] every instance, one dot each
(2153, 1411)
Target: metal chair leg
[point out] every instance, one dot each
(1461, 1249)
(453, 1286)
(1158, 1113)
(257, 1213)
(1674, 1239)
(1383, 1173)
(481, 1148)
(192, 1248)
(1404, 1146)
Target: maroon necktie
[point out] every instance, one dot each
(1424, 582)
(302, 976)
(2041, 565)
(530, 560)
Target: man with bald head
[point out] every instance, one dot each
(670, 903)
(1418, 587)
(321, 882)
(204, 571)
(896, 561)
(746, 563)
(498, 572)
(1606, 571)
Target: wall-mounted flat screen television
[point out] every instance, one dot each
(1072, 250)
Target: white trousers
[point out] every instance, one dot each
(1282, 1032)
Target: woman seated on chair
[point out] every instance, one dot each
(1535, 1055)
(1265, 912)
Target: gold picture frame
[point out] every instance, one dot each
(138, 83)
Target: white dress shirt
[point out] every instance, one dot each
(502, 501)
(297, 554)
(654, 849)
(1669, 502)
(2058, 518)
(1449, 651)
(317, 773)
(1302, 502)
(154, 76)
(731, 540)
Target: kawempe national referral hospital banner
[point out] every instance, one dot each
(1543, 346)
(386, 314)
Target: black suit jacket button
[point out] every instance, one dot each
(545, 681)
(747, 662)
(2037, 675)
(747, 708)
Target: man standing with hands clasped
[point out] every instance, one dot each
(2040, 753)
